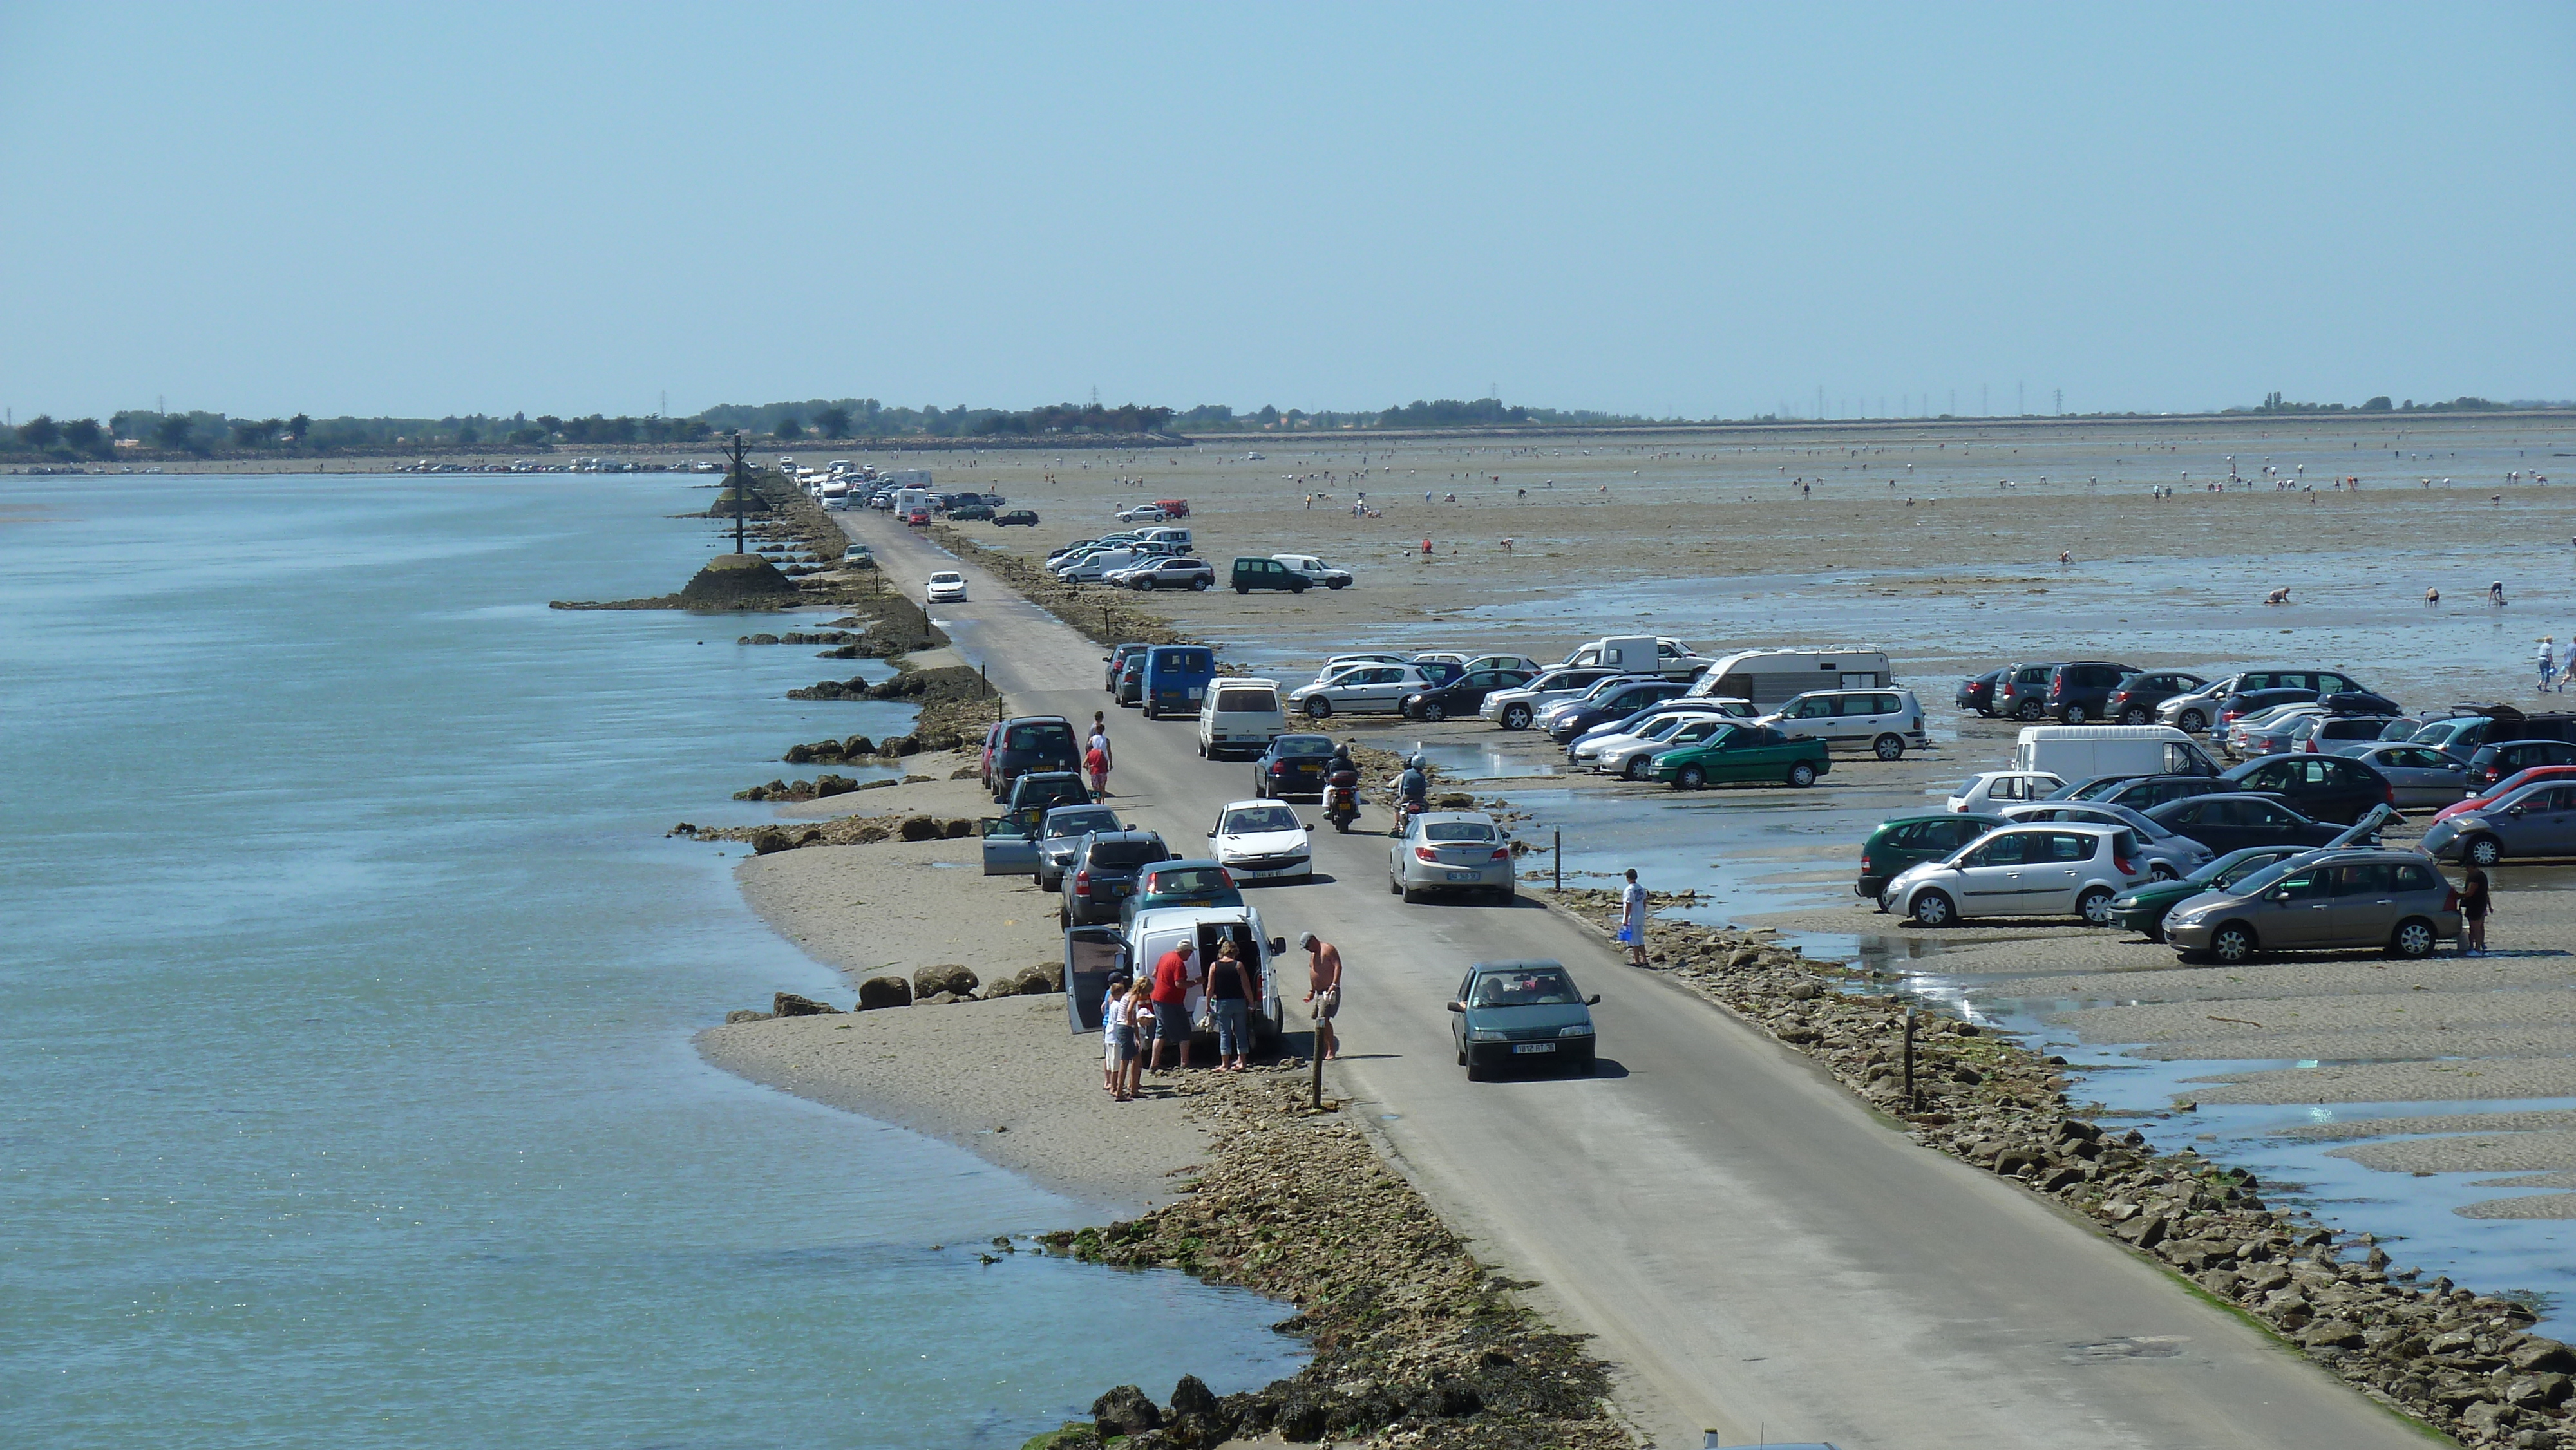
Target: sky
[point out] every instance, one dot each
(1689, 210)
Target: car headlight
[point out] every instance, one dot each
(1485, 1034)
(1579, 1029)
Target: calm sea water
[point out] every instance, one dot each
(346, 985)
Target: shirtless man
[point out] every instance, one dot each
(1324, 990)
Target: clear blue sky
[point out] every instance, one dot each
(1693, 209)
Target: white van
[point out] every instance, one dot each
(1242, 715)
(1093, 954)
(1771, 677)
(1177, 538)
(908, 499)
(1635, 654)
(2081, 752)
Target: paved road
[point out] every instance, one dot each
(1757, 1251)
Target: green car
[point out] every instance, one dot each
(1181, 883)
(2143, 908)
(1911, 840)
(1744, 752)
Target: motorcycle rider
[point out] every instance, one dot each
(1412, 791)
(1341, 781)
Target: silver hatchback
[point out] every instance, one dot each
(2388, 900)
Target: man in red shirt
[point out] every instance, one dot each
(1171, 1002)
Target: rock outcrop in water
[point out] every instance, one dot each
(733, 580)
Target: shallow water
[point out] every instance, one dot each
(346, 1004)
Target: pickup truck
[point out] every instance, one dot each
(1092, 954)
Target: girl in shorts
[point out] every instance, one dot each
(1138, 1005)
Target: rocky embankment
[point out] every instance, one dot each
(933, 986)
(1415, 1342)
(2463, 1362)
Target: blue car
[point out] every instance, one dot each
(1521, 1012)
(1176, 678)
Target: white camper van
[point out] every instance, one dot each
(1770, 677)
(2081, 752)
(1636, 654)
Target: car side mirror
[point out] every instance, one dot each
(1592, 1001)
(2513, 810)
(1457, 1006)
(1310, 825)
(1278, 944)
(2280, 896)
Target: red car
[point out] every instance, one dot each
(2506, 786)
(1173, 508)
(918, 518)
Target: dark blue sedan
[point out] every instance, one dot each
(1521, 1013)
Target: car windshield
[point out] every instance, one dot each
(1458, 831)
(2256, 883)
(2220, 873)
(1259, 818)
(1303, 745)
(1038, 737)
(1126, 853)
(1188, 880)
(1081, 823)
(947, 578)
(1547, 987)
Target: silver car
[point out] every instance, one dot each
(2389, 900)
(2418, 774)
(1450, 851)
(2060, 869)
(2537, 820)
(2166, 854)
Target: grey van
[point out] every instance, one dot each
(2390, 900)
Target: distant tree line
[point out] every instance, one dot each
(2276, 403)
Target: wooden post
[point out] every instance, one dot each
(1557, 854)
(1910, 1103)
(1316, 1051)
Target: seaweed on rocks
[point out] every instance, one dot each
(1415, 1341)
(2462, 1362)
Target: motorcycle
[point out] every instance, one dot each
(1406, 808)
(1342, 799)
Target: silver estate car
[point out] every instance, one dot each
(2060, 869)
(2378, 899)
(1450, 851)
(2167, 854)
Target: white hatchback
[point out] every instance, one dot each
(1994, 789)
(1262, 841)
(946, 587)
(2057, 869)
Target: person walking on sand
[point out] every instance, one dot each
(1171, 997)
(1229, 990)
(1632, 919)
(1324, 990)
(2477, 898)
(2548, 662)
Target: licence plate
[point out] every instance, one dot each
(1463, 875)
(1533, 1047)
(1121, 890)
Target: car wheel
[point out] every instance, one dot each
(1636, 768)
(1319, 708)
(1203, 584)
(1260, 788)
(1888, 747)
(2028, 710)
(2414, 938)
(1933, 908)
(2232, 943)
(1393, 886)
(1243, 589)
(1802, 775)
(1337, 583)
(1203, 750)
(2156, 933)
(2095, 906)
(2482, 851)
(1411, 896)
(1434, 711)
(1516, 717)
(2192, 722)
(2162, 872)
(1474, 1073)
(2134, 715)
(1689, 777)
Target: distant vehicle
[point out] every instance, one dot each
(1030, 742)
(2507, 786)
(1522, 1012)
(1015, 518)
(2143, 908)
(1176, 679)
(1165, 574)
(1102, 874)
(1977, 692)
(2337, 734)
(1117, 659)
(2196, 710)
(2075, 752)
(1131, 680)
(2022, 693)
(2134, 702)
(2232, 821)
(1180, 883)
(2146, 792)
(1771, 677)
(1638, 654)
(1909, 840)
(1144, 513)
(2161, 851)
(858, 556)
(2416, 774)
(945, 587)
(2390, 900)
(2498, 759)
(1173, 508)
(1743, 752)
(1461, 696)
(1653, 722)
(1611, 700)
(2081, 691)
(917, 518)
(1517, 709)
(2061, 869)
(1091, 567)
(1993, 789)
(1172, 534)
(1240, 714)
(1251, 574)
(2325, 787)
(1262, 840)
(1361, 689)
(1316, 571)
(2536, 820)
(970, 513)
(1093, 952)
(1881, 722)
(1450, 851)
(1292, 765)
(1051, 846)
(1335, 664)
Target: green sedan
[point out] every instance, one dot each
(1744, 752)
(2143, 908)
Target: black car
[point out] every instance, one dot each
(2360, 702)
(2146, 792)
(2091, 787)
(2022, 693)
(1015, 516)
(1977, 692)
(2322, 787)
(2230, 821)
(1027, 743)
(2080, 693)
(2136, 699)
(1103, 874)
(1040, 791)
(1461, 696)
(1116, 660)
(1293, 765)
(1616, 703)
(2493, 763)
(2200, 708)
(970, 512)
(2253, 702)
(1131, 680)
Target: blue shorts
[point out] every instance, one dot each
(1171, 1022)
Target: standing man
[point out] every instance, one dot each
(1171, 1003)
(1324, 990)
(1632, 919)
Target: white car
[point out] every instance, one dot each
(1519, 709)
(1143, 513)
(1315, 571)
(1360, 689)
(1262, 841)
(1335, 664)
(1092, 566)
(1162, 573)
(946, 587)
(1992, 790)
(2059, 869)
(1498, 662)
(1632, 756)
(1883, 722)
